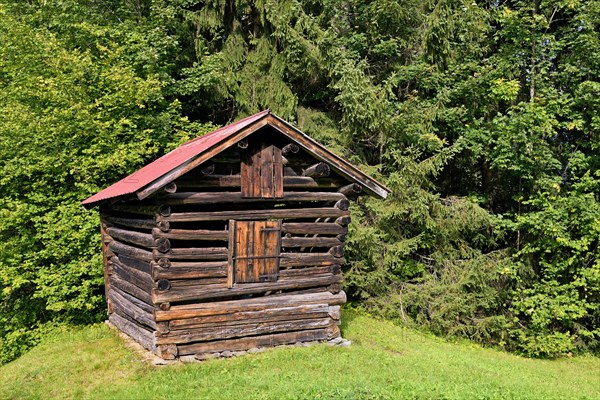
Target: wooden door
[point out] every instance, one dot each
(261, 172)
(254, 251)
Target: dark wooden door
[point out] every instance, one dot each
(254, 251)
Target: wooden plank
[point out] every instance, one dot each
(130, 251)
(134, 331)
(128, 287)
(306, 311)
(192, 270)
(237, 197)
(267, 190)
(246, 175)
(220, 291)
(291, 213)
(252, 304)
(277, 173)
(236, 331)
(260, 341)
(194, 253)
(320, 228)
(231, 252)
(256, 165)
(192, 234)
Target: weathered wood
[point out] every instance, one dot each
(162, 244)
(337, 251)
(182, 283)
(231, 252)
(207, 170)
(293, 312)
(192, 270)
(141, 209)
(194, 253)
(167, 351)
(191, 234)
(351, 189)
(132, 222)
(139, 238)
(334, 312)
(243, 144)
(143, 266)
(310, 242)
(134, 331)
(236, 197)
(291, 260)
(164, 262)
(308, 271)
(105, 264)
(124, 305)
(141, 279)
(320, 228)
(291, 148)
(164, 307)
(343, 220)
(148, 309)
(130, 251)
(319, 170)
(163, 284)
(341, 237)
(342, 204)
(220, 291)
(252, 304)
(256, 214)
(335, 288)
(277, 173)
(170, 187)
(290, 182)
(259, 341)
(128, 287)
(256, 257)
(267, 182)
(164, 327)
(236, 331)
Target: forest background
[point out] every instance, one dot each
(483, 117)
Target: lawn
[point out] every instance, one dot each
(384, 362)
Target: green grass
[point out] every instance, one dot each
(384, 362)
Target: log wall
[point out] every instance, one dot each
(168, 260)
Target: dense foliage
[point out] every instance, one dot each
(482, 117)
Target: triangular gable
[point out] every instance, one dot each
(186, 157)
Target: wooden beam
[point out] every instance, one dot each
(192, 270)
(192, 234)
(130, 251)
(290, 182)
(320, 228)
(139, 238)
(194, 253)
(351, 189)
(319, 170)
(291, 213)
(134, 331)
(236, 197)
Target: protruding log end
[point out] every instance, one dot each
(337, 251)
(163, 284)
(167, 351)
(167, 306)
(243, 144)
(164, 210)
(318, 170)
(208, 170)
(341, 237)
(164, 263)
(163, 225)
(163, 327)
(343, 204)
(162, 244)
(344, 220)
(336, 269)
(291, 148)
(335, 288)
(353, 188)
(170, 187)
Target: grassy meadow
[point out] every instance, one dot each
(385, 361)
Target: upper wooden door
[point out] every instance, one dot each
(262, 172)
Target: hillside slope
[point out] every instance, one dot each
(385, 361)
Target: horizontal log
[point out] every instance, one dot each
(130, 251)
(246, 343)
(139, 238)
(318, 170)
(290, 148)
(308, 311)
(228, 332)
(143, 336)
(351, 189)
(291, 213)
(128, 287)
(192, 234)
(295, 272)
(291, 260)
(194, 253)
(140, 209)
(310, 242)
(236, 197)
(320, 228)
(220, 291)
(182, 283)
(343, 204)
(141, 279)
(124, 305)
(145, 307)
(289, 182)
(191, 270)
(131, 222)
(143, 266)
(252, 304)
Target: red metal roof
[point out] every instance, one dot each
(170, 161)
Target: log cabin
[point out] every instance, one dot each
(234, 240)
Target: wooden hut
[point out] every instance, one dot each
(232, 241)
